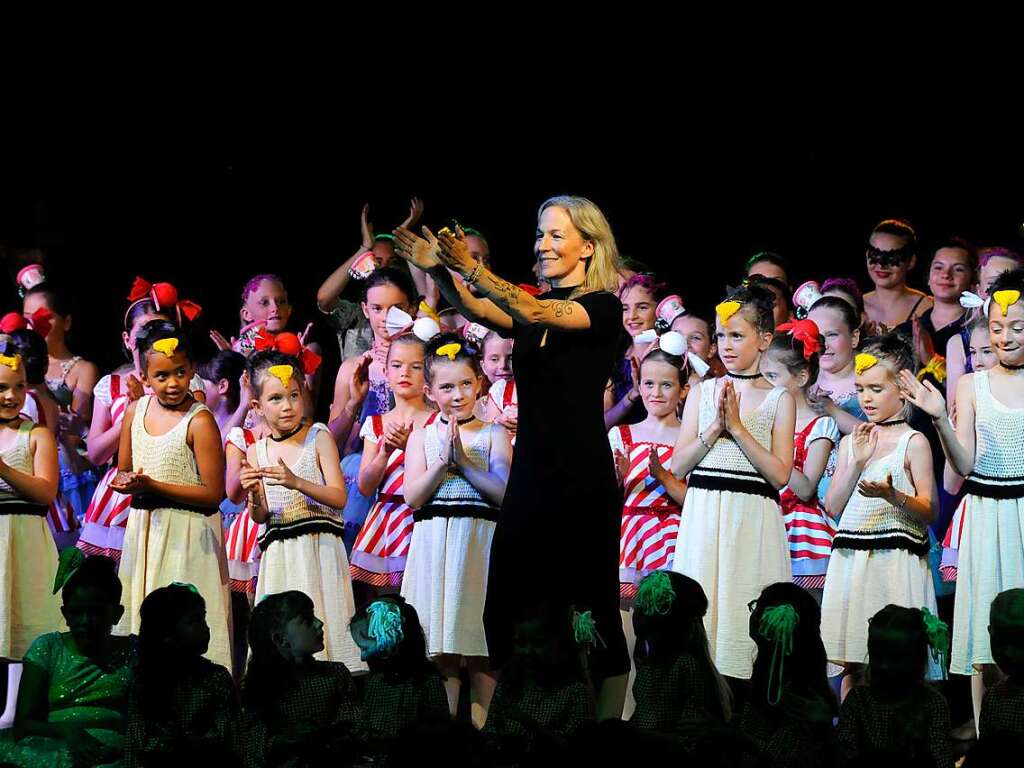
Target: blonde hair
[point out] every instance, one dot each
(602, 272)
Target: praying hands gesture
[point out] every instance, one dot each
(729, 409)
(396, 436)
(456, 452)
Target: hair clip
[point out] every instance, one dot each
(288, 344)
(166, 346)
(11, 361)
(727, 309)
(807, 333)
(449, 350)
(284, 373)
(863, 361)
(1005, 298)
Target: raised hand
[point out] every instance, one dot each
(864, 438)
(415, 213)
(366, 228)
(134, 387)
(220, 342)
(923, 345)
(922, 394)
(455, 251)
(359, 387)
(419, 251)
(305, 334)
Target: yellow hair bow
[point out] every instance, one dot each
(727, 309)
(282, 372)
(429, 311)
(863, 361)
(11, 361)
(936, 367)
(449, 350)
(166, 346)
(1005, 298)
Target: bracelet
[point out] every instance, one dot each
(474, 273)
(700, 436)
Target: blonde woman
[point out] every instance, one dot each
(557, 537)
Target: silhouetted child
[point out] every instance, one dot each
(297, 708)
(182, 707)
(74, 690)
(403, 686)
(676, 681)
(898, 715)
(544, 693)
(1002, 709)
(788, 714)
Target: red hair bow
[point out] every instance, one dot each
(807, 333)
(288, 344)
(40, 321)
(165, 297)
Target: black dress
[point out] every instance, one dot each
(557, 537)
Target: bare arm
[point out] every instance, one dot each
(958, 444)
(372, 466)
(805, 484)
(689, 448)
(233, 458)
(252, 484)
(104, 436)
(956, 366)
(924, 503)
(204, 439)
(844, 481)
(490, 482)
(346, 407)
(40, 487)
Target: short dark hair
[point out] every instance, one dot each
(157, 330)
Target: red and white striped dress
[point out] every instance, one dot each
(107, 515)
(60, 517)
(809, 529)
(504, 395)
(380, 550)
(650, 517)
(951, 544)
(240, 537)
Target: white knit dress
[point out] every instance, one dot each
(446, 571)
(734, 536)
(303, 550)
(992, 543)
(167, 544)
(879, 556)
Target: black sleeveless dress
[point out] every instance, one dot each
(557, 537)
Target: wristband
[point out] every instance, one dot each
(474, 273)
(700, 436)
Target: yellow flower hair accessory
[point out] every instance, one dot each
(11, 361)
(1005, 298)
(449, 350)
(936, 367)
(282, 372)
(863, 361)
(166, 346)
(727, 309)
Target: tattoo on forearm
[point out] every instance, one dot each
(504, 291)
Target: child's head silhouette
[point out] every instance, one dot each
(1006, 627)
(899, 641)
(91, 595)
(390, 638)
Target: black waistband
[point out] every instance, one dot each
(331, 527)
(23, 508)
(155, 501)
(881, 540)
(980, 485)
(751, 483)
(475, 511)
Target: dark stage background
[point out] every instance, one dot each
(210, 215)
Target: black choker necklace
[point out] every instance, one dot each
(443, 420)
(294, 432)
(892, 423)
(742, 376)
(167, 407)
(1012, 367)
(11, 420)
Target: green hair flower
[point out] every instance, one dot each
(938, 637)
(655, 594)
(70, 560)
(385, 624)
